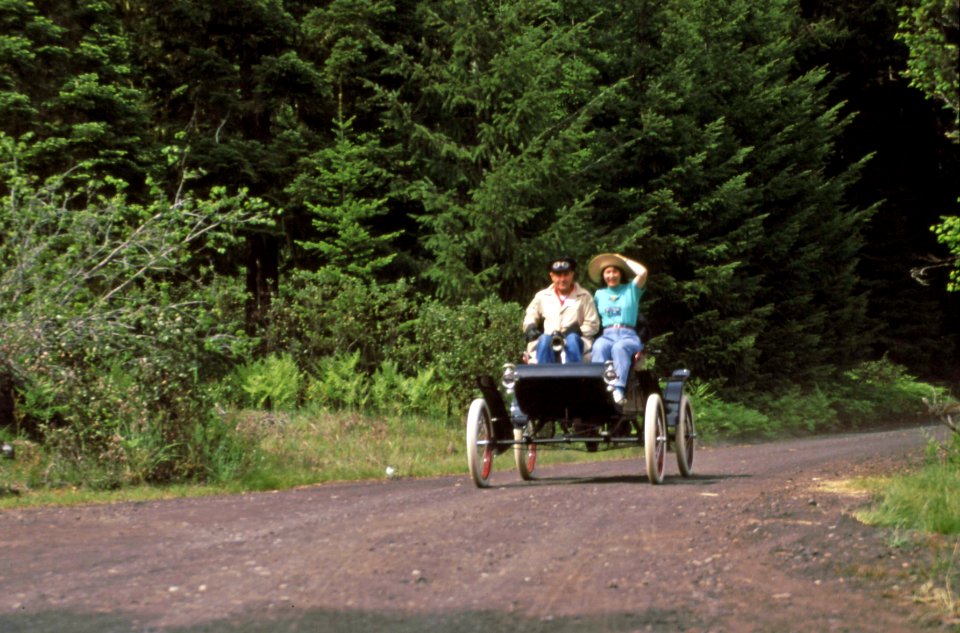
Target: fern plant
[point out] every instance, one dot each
(272, 383)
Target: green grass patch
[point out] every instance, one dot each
(303, 449)
(300, 449)
(927, 500)
(76, 496)
(920, 503)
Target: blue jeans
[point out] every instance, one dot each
(572, 343)
(619, 345)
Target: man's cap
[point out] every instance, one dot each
(562, 264)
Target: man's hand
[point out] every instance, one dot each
(532, 333)
(573, 329)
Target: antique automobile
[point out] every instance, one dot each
(572, 406)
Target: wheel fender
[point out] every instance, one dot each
(672, 395)
(502, 427)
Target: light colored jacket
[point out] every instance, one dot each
(549, 316)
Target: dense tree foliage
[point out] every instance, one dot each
(911, 173)
(931, 31)
(768, 160)
(68, 84)
(724, 184)
(494, 109)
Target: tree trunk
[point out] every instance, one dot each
(262, 278)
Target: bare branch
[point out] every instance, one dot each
(944, 410)
(920, 273)
(121, 246)
(216, 136)
(948, 420)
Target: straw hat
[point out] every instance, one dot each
(605, 260)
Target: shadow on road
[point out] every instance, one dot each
(676, 480)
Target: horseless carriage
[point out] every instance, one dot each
(572, 406)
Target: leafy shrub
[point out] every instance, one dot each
(317, 316)
(345, 333)
(109, 346)
(798, 410)
(339, 384)
(461, 342)
(716, 418)
(426, 396)
(387, 389)
(873, 391)
(877, 391)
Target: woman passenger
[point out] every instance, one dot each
(618, 302)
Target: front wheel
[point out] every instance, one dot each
(525, 455)
(654, 438)
(479, 443)
(686, 434)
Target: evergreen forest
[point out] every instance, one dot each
(210, 205)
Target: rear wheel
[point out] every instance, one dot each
(654, 438)
(479, 443)
(525, 455)
(686, 434)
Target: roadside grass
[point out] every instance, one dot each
(310, 448)
(300, 449)
(927, 501)
(923, 507)
(940, 591)
(14, 497)
(402, 426)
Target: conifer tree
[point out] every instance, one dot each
(723, 189)
(68, 89)
(494, 110)
(344, 189)
(911, 176)
(231, 93)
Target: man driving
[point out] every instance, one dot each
(562, 311)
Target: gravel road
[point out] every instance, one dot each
(757, 540)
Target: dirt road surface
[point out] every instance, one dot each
(754, 541)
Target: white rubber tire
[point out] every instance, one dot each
(685, 438)
(654, 438)
(479, 449)
(525, 455)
